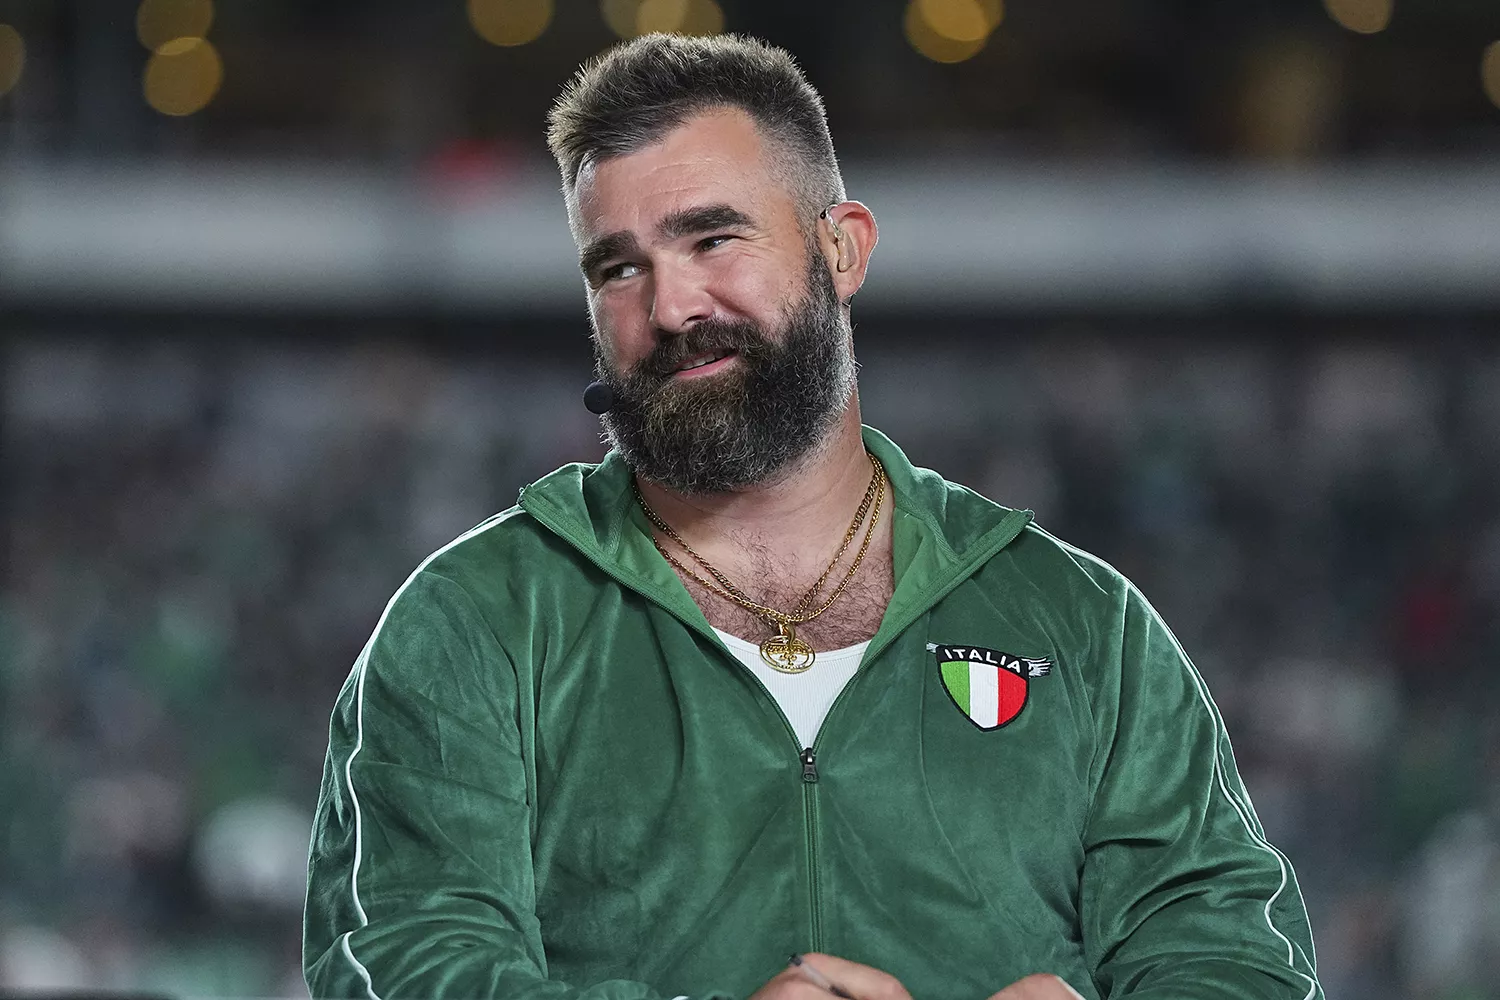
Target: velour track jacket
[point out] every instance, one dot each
(547, 779)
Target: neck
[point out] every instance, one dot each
(805, 509)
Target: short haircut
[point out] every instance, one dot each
(634, 94)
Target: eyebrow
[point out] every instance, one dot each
(687, 221)
(602, 249)
(683, 222)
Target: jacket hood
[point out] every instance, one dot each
(942, 532)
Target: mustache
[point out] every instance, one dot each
(710, 336)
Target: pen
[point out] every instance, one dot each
(817, 978)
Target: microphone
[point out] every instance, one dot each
(598, 398)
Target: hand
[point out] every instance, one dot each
(860, 981)
(1038, 987)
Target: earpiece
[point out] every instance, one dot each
(838, 234)
(845, 262)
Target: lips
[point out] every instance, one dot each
(699, 360)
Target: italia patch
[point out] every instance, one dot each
(987, 685)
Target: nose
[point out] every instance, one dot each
(679, 299)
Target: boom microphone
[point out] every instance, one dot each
(598, 398)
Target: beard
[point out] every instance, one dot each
(745, 425)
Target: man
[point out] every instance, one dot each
(756, 685)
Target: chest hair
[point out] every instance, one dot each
(853, 618)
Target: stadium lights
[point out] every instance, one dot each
(182, 76)
(184, 72)
(1489, 72)
(12, 58)
(950, 31)
(631, 18)
(158, 22)
(1363, 16)
(510, 22)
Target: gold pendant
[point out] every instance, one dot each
(787, 653)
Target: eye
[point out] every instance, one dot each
(624, 269)
(714, 241)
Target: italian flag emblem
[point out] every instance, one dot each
(987, 685)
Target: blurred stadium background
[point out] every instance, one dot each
(287, 300)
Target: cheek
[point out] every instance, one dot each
(621, 334)
(621, 305)
(751, 285)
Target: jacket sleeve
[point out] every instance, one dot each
(420, 879)
(1182, 895)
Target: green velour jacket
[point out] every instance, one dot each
(548, 779)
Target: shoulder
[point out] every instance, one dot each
(488, 568)
(1078, 600)
(441, 584)
(526, 539)
(493, 548)
(1047, 563)
(1056, 565)
(466, 606)
(497, 538)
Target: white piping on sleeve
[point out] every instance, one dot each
(359, 742)
(1241, 809)
(361, 669)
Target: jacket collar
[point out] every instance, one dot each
(943, 533)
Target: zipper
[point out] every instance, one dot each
(808, 755)
(809, 758)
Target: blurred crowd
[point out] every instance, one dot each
(200, 534)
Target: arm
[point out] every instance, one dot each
(420, 880)
(1182, 895)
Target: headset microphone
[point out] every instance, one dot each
(598, 398)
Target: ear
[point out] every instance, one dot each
(847, 235)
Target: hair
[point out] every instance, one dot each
(635, 93)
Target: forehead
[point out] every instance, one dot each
(716, 157)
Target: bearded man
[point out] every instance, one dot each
(755, 684)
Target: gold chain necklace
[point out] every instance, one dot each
(784, 651)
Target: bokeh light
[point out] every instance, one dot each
(252, 852)
(12, 58)
(961, 20)
(631, 18)
(935, 45)
(620, 16)
(158, 22)
(1286, 99)
(1489, 72)
(660, 15)
(183, 76)
(510, 22)
(1363, 16)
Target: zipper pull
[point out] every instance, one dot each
(809, 760)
